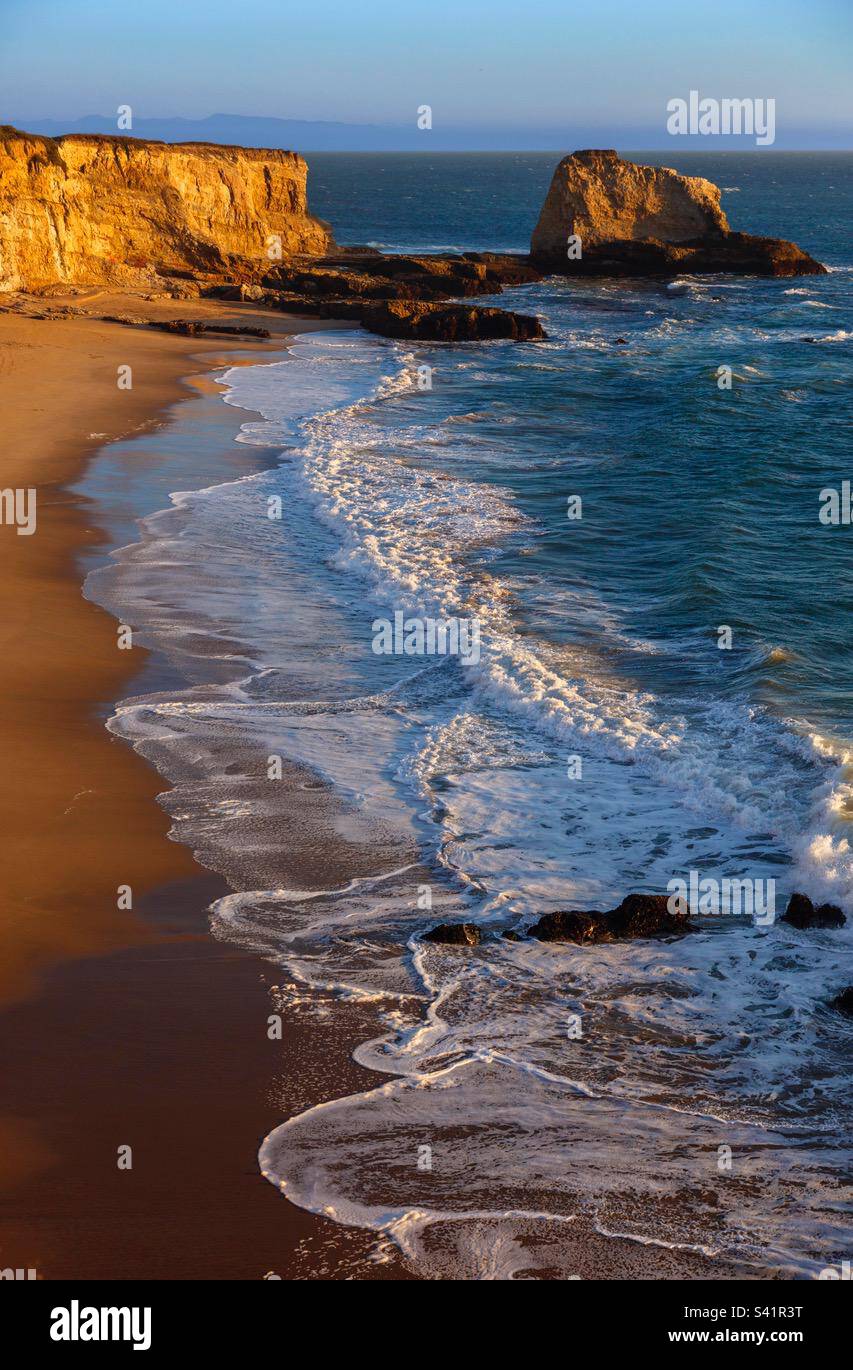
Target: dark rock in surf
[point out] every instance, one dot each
(431, 322)
(571, 926)
(647, 915)
(802, 913)
(454, 935)
(639, 915)
(739, 254)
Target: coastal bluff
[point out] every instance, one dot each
(185, 220)
(610, 217)
(191, 220)
(96, 210)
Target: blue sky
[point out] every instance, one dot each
(543, 63)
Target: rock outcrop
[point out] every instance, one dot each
(198, 219)
(632, 220)
(454, 935)
(449, 323)
(802, 913)
(601, 198)
(639, 915)
(93, 210)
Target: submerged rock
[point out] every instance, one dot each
(639, 915)
(802, 913)
(454, 934)
(630, 220)
(843, 1002)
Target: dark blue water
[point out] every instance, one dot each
(701, 503)
(477, 201)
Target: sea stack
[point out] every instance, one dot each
(609, 217)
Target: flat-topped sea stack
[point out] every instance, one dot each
(604, 216)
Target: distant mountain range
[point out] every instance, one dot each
(310, 135)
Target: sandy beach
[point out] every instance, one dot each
(136, 1027)
(119, 1026)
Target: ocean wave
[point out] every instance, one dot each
(453, 779)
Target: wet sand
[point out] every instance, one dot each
(76, 809)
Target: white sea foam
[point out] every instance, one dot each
(723, 1038)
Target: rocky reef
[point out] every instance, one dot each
(400, 296)
(608, 217)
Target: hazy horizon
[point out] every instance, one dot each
(312, 136)
(562, 78)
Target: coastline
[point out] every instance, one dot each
(120, 1027)
(170, 1022)
(59, 654)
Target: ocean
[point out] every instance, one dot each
(661, 686)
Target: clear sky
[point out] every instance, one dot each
(478, 63)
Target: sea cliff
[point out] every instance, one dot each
(90, 210)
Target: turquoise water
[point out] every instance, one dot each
(603, 741)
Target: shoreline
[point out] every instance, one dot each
(169, 1023)
(56, 754)
(111, 1015)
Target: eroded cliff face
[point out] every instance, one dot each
(90, 210)
(599, 197)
